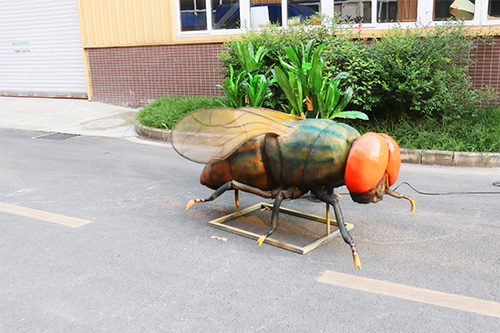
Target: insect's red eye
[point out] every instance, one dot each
(366, 163)
(394, 162)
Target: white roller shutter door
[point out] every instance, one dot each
(41, 49)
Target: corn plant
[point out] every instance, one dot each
(307, 65)
(305, 76)
(257, 87)
(292, 87)
(329, 104)
(249, 60)
(234, 88)
(246, 87)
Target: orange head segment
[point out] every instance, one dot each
(366, 163)
(394, 163)
(372, 166)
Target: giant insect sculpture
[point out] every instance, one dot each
(280, 156)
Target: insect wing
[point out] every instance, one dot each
(212, 134)
(276, 115)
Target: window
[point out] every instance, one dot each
(459, 9)
(386, 10)
(396, 11)
(494, 9)
(193, 15)
(300, 10)
(227, 16)
(265, 12)
(354, 10)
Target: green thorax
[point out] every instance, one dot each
(313, 155)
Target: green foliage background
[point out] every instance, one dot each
(412, 82)
(419, 71)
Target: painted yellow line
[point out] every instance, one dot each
(464, 303)
(41, 215)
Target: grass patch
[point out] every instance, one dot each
(473, 132)
(164, 112)
(478, 131)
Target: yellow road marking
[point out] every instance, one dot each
(464, 303)
(44, 216)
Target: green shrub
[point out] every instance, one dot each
(246, 87)
(343, 52)
(164, 112)
(423, 71)
(272, 38)
(354, 56)
(305, 77)
(418, 71)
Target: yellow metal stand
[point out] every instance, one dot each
(219, 223)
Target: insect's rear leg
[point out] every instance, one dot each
(234, 185)
(284, 194)
(332, 200)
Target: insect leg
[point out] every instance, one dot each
(401, 196)
(326, 197)
(237, 199)
(233, 185)
(283, 194)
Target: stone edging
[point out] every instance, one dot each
(450, 158)
(152, 133)
(414, 156)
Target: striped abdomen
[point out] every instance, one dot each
(248, 165)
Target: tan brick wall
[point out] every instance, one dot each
(486, 71)
(135, 76)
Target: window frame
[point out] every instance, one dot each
(484, 15)
(425, 9)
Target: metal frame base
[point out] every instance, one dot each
(219, 223)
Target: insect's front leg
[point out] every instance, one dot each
(234, 185)
(323, 195)
(290, 193)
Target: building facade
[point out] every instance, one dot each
(130, 52)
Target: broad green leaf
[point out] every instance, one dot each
(345, 100)
(293, 56)
(291, 87)
(350, 115)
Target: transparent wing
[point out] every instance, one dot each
(212, 134)
(276, 115)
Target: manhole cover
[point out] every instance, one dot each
(56, 136)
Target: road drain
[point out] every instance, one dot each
(56, 136)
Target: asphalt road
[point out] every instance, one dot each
(139, 262)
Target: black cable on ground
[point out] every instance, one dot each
(497, 184)
(314, 199)
(449, 193)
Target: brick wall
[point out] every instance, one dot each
(135, 76)
(486, 71)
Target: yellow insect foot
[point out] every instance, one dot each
(357, 261)
(413, 205)
(261, 240)
(191, 202)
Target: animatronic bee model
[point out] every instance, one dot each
(278, 155)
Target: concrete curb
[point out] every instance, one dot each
(413, 156)
(152, 133)
(450, 158)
